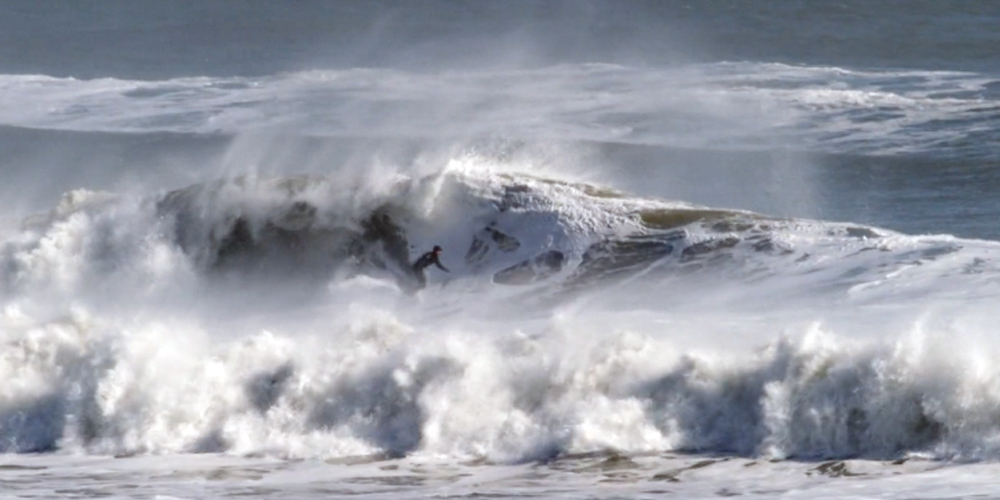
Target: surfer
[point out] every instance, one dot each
(424, 262)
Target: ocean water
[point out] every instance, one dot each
(699, 249)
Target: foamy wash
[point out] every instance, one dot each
(758, 275)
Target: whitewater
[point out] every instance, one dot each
(742, 277)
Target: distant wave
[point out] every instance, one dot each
(752, 105)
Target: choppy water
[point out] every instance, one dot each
(708, 249)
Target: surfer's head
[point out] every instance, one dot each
(437, 249)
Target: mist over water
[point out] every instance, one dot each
(712, 246)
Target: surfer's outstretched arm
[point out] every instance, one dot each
(427, 259)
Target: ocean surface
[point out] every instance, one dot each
(694, 249)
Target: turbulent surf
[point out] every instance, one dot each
(685, 250)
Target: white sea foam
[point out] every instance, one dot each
(752, 337)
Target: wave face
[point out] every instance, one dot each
(274, 315)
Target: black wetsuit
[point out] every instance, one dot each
(424, 262)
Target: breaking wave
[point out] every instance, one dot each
(256, 315)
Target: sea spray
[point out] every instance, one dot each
(268, 316)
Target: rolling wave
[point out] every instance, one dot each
(130, 325)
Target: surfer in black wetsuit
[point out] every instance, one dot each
(424, 262)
